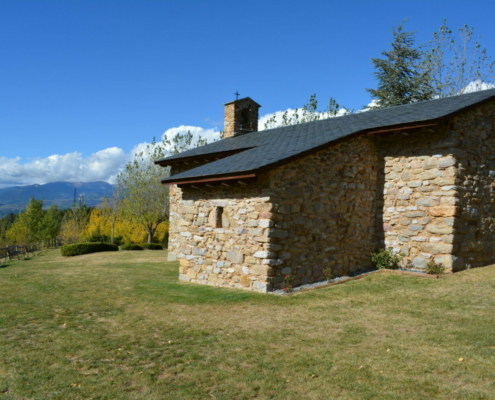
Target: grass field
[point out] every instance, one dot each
(121, 326)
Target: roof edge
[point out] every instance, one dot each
(206, 157)
(208, 179)
(244, 98)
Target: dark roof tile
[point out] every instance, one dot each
(258, 150)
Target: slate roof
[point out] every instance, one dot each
(262, 150)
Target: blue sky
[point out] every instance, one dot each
(85, 82)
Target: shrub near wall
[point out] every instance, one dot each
(151, 246)
(86, 248)
(131, 246)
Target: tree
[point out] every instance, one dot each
(309, 112)
(456, 66)
(27, 227)
(145, 200)
(110, 207)
(50, 224)
(400, 79)
(182, 142)
(74, 224)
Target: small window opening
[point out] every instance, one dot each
(218, 217)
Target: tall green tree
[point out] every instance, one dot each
(27, 227)
(50, 223)
(457, 63)
(400, 78)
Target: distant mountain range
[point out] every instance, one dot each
(14, 198)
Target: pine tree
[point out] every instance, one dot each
(400, 80)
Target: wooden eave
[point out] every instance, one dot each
(212, 179)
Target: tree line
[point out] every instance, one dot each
(136, 212)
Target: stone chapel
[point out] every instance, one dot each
(257, 205)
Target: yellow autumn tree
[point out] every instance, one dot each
(98, 224)
(129, 230)
(74, 225)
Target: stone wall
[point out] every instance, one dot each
(428, 194)
(324, 206)
(474, 229)
(429, 204)
(297, 219)
(221, 235)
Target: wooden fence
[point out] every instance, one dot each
(15, 251)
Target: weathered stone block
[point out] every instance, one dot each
(259, 270)
(241, 230)
(265, 254)
(437, 248)
(276, 233)
(440, 229)
(286, 271)
(446, 162)
(427, 202)
(245, 281)
(272, 261)
(419, 263)
(444, 211)
(235, 257)
(220, 203)
(172, 257)
(191, 273)
(262, 287)
(451, 262)
(430, 174)
(184, 263)
(255, 232)
(265, 223)
(414, 184)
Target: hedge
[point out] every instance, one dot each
(131, 246)
(86, 248)
(151, 246)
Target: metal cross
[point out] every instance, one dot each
(237, 95)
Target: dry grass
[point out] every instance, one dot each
(120, 326)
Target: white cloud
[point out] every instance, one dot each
(103, 165)
(71, 167)
(477, 85)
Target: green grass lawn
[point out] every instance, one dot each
(120, 325)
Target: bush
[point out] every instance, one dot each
(386, 258)
(131, 246)
(98, 238)
(151, 246)
(118, 240)
(86, 248)
(434, 269)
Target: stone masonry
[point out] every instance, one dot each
(241, 116)
(439, 192)
(428, 194)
